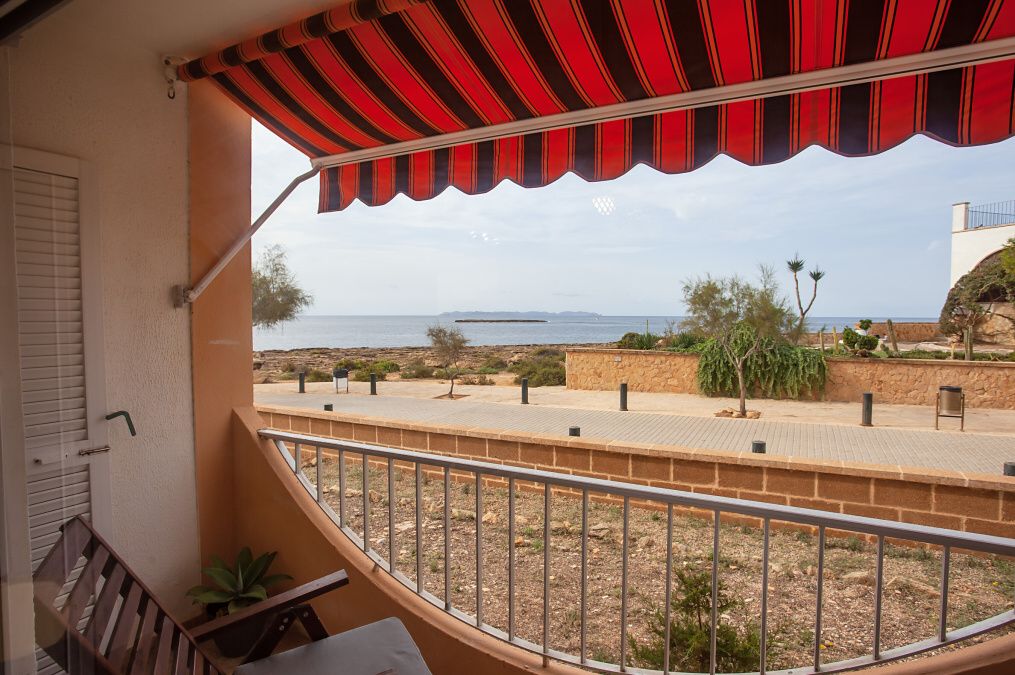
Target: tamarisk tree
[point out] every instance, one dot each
(448, 345)
(738, 315)
(276, 295)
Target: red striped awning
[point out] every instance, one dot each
(376, 73)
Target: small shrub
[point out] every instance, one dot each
(632, 340)
(288, 367)
(417, 370)
(485, 370)
(476, 379)
(865, 324)
(385, 365)
(364, 372)
(737, 649)
(316, 375)
(683, 341)
(544, 369)
(493, 363)
(860, 345)
(350, 364)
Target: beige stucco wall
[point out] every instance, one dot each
(104, 101)
(905, 381)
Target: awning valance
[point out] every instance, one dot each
(379, 92)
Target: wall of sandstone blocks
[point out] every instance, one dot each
(972, 503)
(900, 381)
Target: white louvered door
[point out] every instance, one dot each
(60, 345)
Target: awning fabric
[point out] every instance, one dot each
(370, 73)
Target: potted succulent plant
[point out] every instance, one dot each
(236, 588)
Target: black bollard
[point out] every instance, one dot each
(373, 384)
(623, 395)
(303, 383)
(1009, 468)
(329, 407)
(868, 409)
(758, 447)
(525, 391)
(574, 431)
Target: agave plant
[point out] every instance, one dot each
(236, 587)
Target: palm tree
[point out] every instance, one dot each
(795, 266)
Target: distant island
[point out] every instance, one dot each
(501, 321)
(517, 316)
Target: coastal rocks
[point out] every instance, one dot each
(275, 365)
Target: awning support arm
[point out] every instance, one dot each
(183, 295)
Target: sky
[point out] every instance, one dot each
(878, 226)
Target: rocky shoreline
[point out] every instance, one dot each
(270, 364)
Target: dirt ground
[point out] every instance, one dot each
(980, 587)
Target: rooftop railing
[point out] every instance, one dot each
(991, 215)
(318, 463)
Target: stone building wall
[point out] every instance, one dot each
(905, 381)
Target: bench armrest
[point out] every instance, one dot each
(273, 605)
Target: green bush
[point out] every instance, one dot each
(316, 375)
(737, 649)
(417, 370)
(384, 365)
(487, 370)
(363, 373)
(632, 340)
(493, 364)
(683, 341)
(865, 324)
(544, 369)
(777, 370)
(860, 345)
(350, 364)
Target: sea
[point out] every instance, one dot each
(310, 331)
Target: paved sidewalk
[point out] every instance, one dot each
(966, 452)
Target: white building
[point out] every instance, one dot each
(977, 232)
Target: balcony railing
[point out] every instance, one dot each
(315, 461)
(991, 215)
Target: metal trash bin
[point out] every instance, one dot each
(340, 376)
(951, 402)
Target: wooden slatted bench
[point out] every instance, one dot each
(128, 631)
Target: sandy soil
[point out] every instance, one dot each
(980, 587)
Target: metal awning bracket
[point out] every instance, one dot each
(183, 295)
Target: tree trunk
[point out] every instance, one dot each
(968, 340)
(451, 393)
(743, 389)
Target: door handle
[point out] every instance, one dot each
(93, 451)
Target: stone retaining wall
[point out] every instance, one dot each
(973, 503)
(903, 381)
(908, 331)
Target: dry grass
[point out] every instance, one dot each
(979, 586)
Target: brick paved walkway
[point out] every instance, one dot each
(967, 452)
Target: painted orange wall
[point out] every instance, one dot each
(277, 514)
(219, 138)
